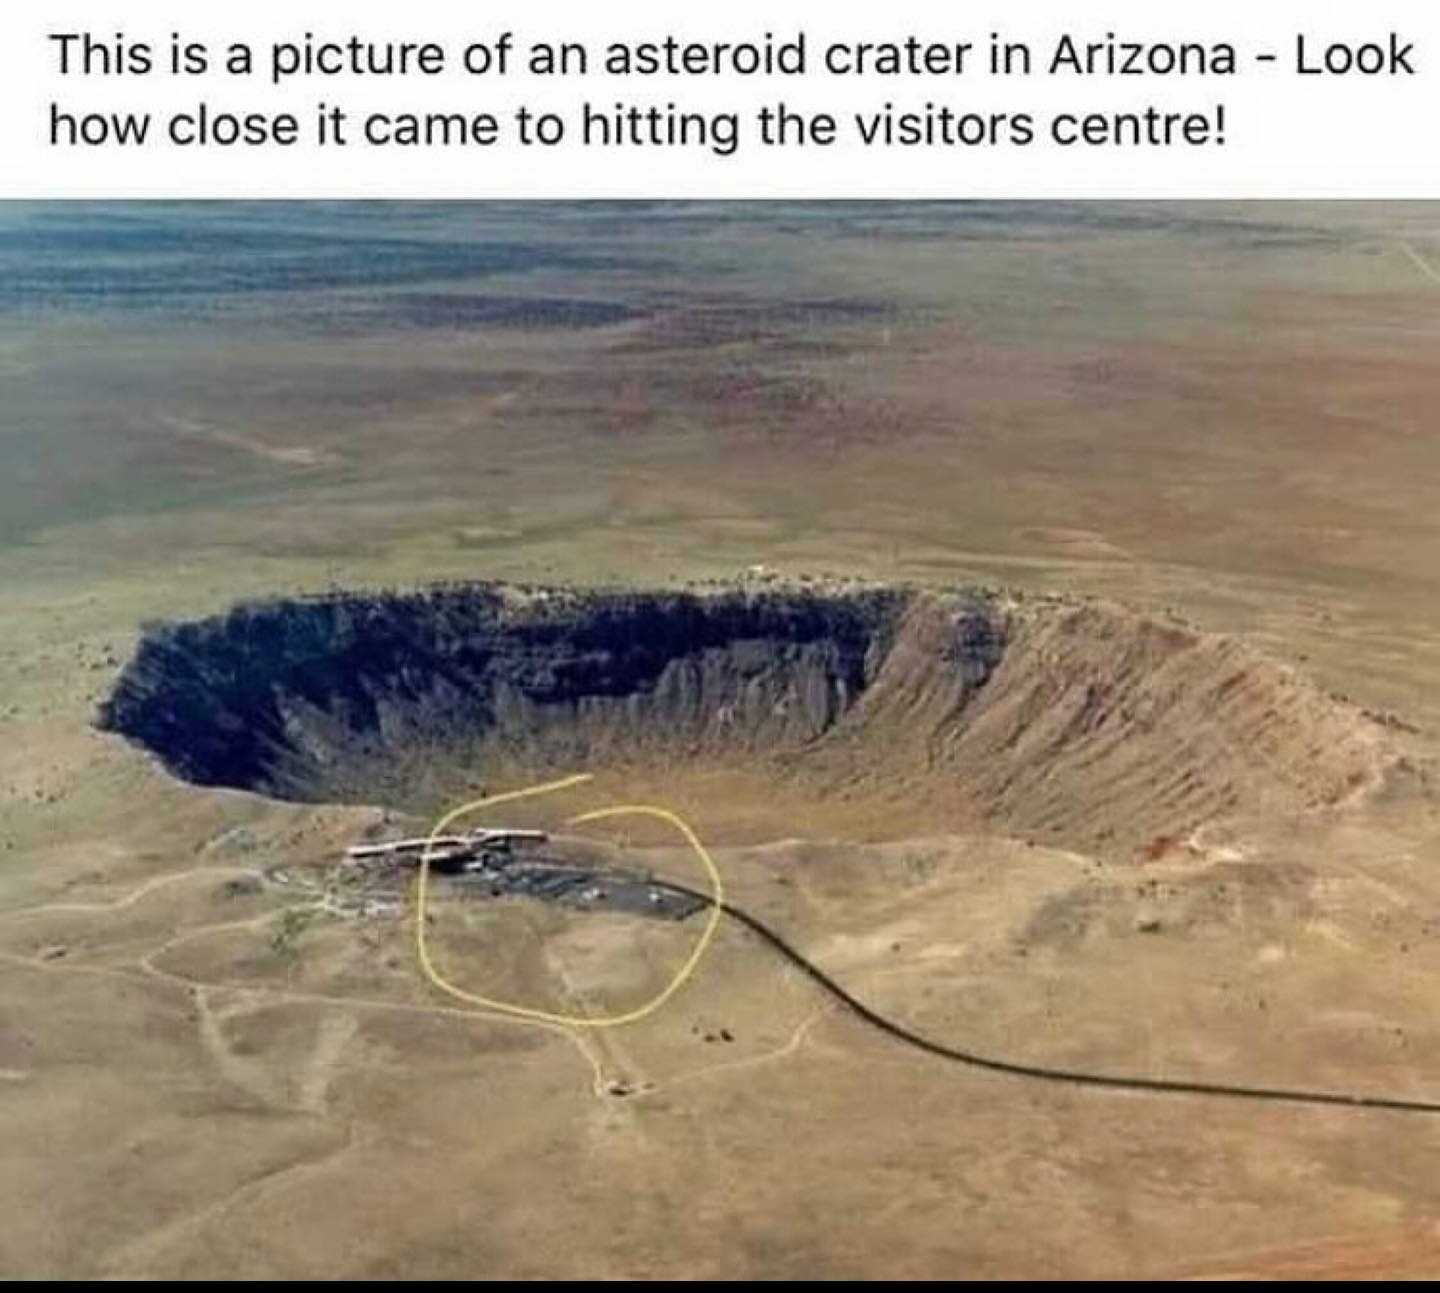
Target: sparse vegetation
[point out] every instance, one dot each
(289, 926)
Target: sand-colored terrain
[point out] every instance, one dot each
(1201, 432)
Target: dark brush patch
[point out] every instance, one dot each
(725, 323)
(206, 268)
(472, 310)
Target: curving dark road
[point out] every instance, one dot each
(1043, 1073)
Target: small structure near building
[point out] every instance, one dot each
(483, 849)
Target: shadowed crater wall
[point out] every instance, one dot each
(1098, 726)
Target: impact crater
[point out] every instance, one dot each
(1103, 728)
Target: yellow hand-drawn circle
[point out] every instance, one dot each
(702, 944)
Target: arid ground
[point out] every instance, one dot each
(1210, 422)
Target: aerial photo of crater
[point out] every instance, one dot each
(712, 740)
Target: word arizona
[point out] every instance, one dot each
(1111, 57)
